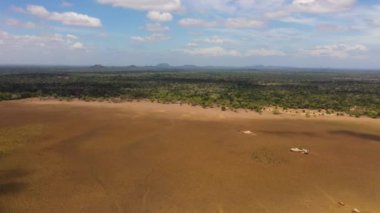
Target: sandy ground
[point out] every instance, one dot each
(144, 157)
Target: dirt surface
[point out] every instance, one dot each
(142, 157)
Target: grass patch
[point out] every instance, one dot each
(13, 137)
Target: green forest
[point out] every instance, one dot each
(354, 93)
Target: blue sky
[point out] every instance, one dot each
(303, 33)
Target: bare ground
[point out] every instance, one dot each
(143, 157)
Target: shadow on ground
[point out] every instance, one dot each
(9, 183)
(289, 133)
(11, 187)
(359, 135)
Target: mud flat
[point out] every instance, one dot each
(146, 157)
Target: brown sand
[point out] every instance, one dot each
(144, 157)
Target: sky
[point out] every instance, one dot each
(300, 33)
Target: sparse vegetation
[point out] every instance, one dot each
(11, 137)
(352, 93)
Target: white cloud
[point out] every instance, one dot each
(20, 24)
(66, 4)
(191, 22)
(150, 38)
(228, 23)
(264, 52)
(191, 45)
(211, 5)
(72, 37)
(77, 45)
(49, 49)
(211, 51)
(243, 23)
(17, 9)
(322, 6)
(53, 41)
(297, 20)
(38, 11)
(283, 35)
(337, 50)
(310, 7)
(333, 28)
(232, 7)
(66, 18)
(281, 13)
(376, 21)
(215, 40)
(156, 27)
(150, 5)
(159, 16)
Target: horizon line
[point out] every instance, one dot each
(167, 66)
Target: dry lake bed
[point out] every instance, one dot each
(146, 157)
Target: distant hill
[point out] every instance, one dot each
(97, 66)
(163, 65)
(189, 66)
